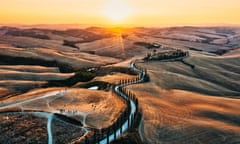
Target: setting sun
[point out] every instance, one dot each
(114, 12)
(117, 11)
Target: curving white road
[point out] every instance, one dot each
(60, 93)
(19, 102)
(47, 115)
(124, 127)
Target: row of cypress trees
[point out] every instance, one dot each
(132, 119)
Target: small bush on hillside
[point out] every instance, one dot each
(70, 43)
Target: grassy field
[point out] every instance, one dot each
(93, 106)
(184, 105)
(212, 76)
(186, 102)
(17, 79)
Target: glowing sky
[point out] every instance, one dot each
(143, 12)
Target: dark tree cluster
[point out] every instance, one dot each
(70, 43)
(148, 45)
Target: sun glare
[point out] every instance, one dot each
(117, 10)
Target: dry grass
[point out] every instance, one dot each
(212, 76)
(116, 47)
(74, 59)
(3, 91)
(113, 78)
(96, 105)
(174, 116)
(30, 94)
(30, 68)
(181, 105)
(233, 53)
(21, 78)
(17, 75)
(16, 87)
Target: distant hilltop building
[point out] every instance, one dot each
(156, 45)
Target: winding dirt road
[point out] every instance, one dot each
(124, 127)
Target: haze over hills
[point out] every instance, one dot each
(194, 99)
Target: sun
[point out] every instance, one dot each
(117, 10)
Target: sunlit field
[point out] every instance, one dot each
(129, 72)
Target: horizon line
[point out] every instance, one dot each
(82, 25)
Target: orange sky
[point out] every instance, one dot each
(143, 12)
